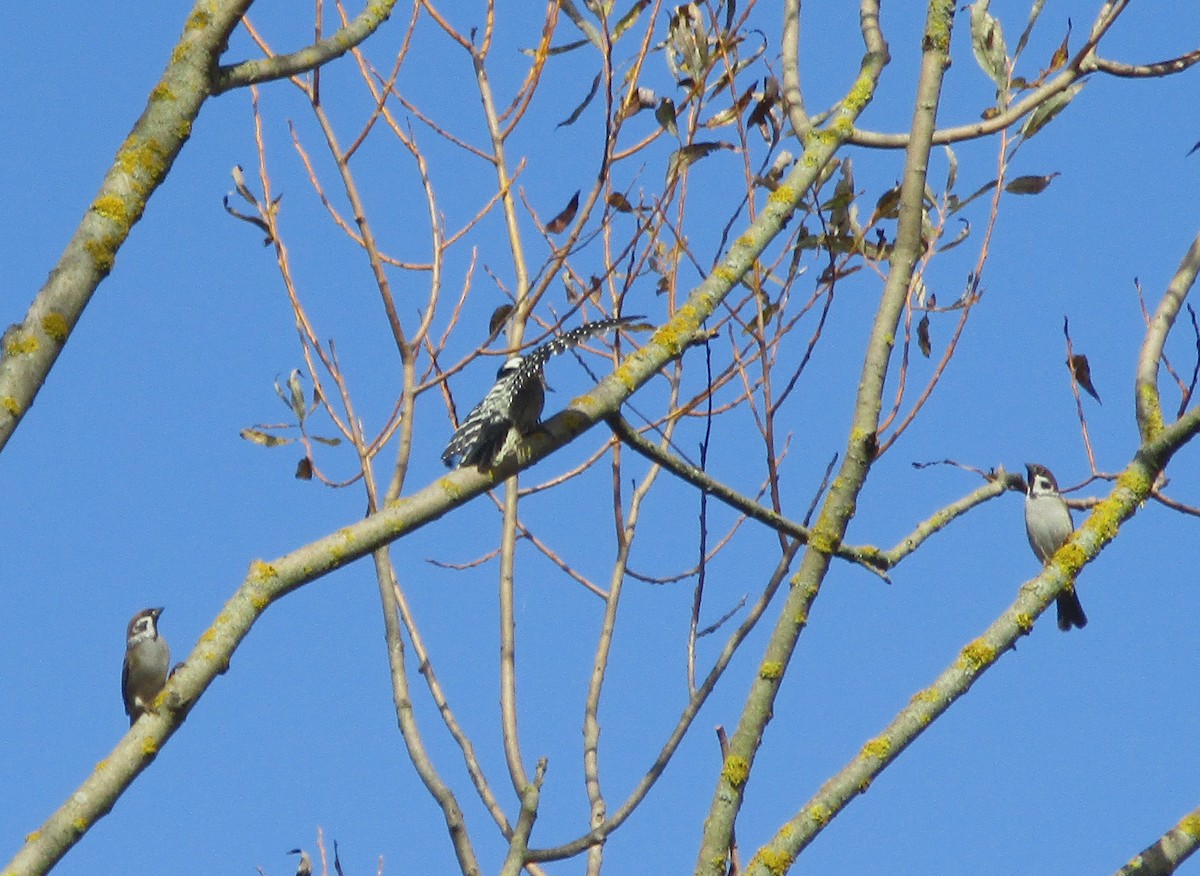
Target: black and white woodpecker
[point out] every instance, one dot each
(516, 399)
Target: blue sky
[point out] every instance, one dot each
(127, 486)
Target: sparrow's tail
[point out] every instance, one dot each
(1070, 611)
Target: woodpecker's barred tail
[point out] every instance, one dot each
(516, 399)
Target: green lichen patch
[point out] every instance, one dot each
(977, 655)
(21, 344)
(770, 670)
(736, 770)
(877, 748)
(55, 325)
(103, 254)
(262, 571)
(819, 814)
(774, 861)
(112, 208)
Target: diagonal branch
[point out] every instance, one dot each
(998, 482)
(868, 558)
(309, 58)
(1131, 489)
(1172, 849)
(838, 508)
(1149, 404)
(1155, 69)
(30, 348)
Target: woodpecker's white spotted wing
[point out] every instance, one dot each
(482, 433)
(515, 398)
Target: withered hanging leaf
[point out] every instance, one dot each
(730, 115)
(264, 439)
(559, 223)
(730, 11)
(842, 214)
(619, 202)
(328, 442)
(768, 314)
(1041, 116)
(762, 109)
(972, 292)
(1030, 185)
(296, 392)
(294, 396)
(499, 315)
(687, 43)
(239, 183)
(253, 220)
(1034, 13)
(727, 45)
(628, 19)
(687, 155)
(725, 117)
(304, 469)
(888, 205)
(1062, 52)
(662, 286)
(665, 116)
(963, 234)
(923, 342)
(782, 162)
(919, 291)
(571, 119)
(556, 50)
(957, 204)
(987, 42)
(951, 168)
(638, 100)
(1082, 372)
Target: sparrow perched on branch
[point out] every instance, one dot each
(1048, 525)
(146, 661)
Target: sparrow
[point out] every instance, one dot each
(146, 660)
(1048, 525)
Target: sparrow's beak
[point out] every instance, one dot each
(156, 612)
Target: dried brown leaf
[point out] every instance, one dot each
(560, 222)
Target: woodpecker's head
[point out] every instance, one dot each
(510, 366)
